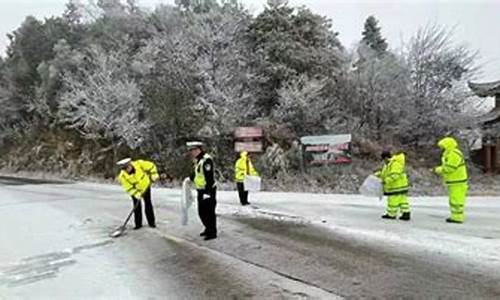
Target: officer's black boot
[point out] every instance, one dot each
(405, 216)
(210, 236)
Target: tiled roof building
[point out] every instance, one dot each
(490, 123)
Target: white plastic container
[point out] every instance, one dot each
(186, 200)
(372, 187)
(252, 183)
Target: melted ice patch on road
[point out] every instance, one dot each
(41, 267)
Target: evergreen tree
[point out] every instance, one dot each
(373, 37)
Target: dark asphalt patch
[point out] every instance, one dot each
(355, 268)
(9, 180)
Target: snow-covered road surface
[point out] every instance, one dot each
(55, 245)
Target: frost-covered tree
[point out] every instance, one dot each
(8, 113)
(305, 106)
(129, 78)
(379, 93)
(288, 42)
(115, 24)
(102, 101)
(221, 68)
(73, 13)
(197, 6)
(193, 74)
(439, 70)
(202, 55)
(165, 69)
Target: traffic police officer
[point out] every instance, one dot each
(204, 181)
(136, 178)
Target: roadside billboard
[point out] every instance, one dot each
(327, 149)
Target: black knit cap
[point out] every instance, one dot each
(385, 154)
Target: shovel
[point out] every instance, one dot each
(120, 230)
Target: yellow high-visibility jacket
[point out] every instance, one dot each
(453, 168)
(137, 183)
(393, 175)
(243, 167)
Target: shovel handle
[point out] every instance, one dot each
(131, 212)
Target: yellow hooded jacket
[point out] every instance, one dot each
(452, 168)
(137, 183)
(243, 167)
(394, 176)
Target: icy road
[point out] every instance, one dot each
(54, 244)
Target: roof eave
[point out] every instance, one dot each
(488, 89)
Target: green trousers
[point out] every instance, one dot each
(457, 194)
(397, 203)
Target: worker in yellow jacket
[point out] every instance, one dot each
(453, 170)
(136, 178)
(242, 168)
(396, 185)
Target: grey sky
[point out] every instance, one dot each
(476, 22)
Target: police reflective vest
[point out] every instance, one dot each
(200, 181)
(137, 183)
